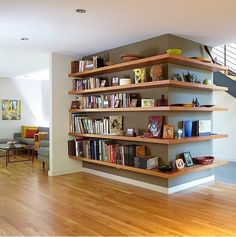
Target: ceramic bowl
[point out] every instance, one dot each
(174, 51)
(130, 57)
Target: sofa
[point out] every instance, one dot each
(41, 146)
(43, 151)
(28, 141)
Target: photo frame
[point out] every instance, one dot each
(11, 109)
(117, 103)
(130, 132)
(188, 158)
(75, 104)
(168, 131)
(133, 103)
(179, 163)
(115, 81)
(147, 103)
(103, 83)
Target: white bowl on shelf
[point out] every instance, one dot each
(125, 81)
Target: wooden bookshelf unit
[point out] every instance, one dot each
(179, 110)
(151, 109)
(154, 172)
(170, 141)
(148, 85)
(144, 62)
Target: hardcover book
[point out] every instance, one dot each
(155, 125)
(201, 128)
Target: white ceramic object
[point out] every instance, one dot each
(125, 81)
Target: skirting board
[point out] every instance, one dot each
(148, 185)
(62, 172)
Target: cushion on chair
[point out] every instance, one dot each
(23, 129)
(28, 141)
(43, 151)
(30, 133)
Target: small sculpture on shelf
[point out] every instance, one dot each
(195, 102)
(177, 77)
(163, 101)
(156, 73)
(139, 75)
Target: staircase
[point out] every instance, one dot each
(226, 55)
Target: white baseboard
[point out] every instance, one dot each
(62, 172)
(149, 186)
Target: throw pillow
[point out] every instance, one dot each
(23, 129)
(30, 133)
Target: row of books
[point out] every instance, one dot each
(84, 65)
(89, 83)
(109, 151)
(120, 100)
(108, 125)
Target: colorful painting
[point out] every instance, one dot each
(11, 109)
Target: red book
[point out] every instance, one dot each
(155, 125)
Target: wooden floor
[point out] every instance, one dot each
(31, 203)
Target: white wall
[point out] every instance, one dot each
(30, 94)
(60, 102)
(45, 102)
(224, 122)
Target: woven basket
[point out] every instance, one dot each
(203, 160)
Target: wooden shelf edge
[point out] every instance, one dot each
(148, 85)
(157, 173)
(151, 140)
(152, 109)
(149, 61)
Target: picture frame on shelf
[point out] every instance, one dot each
(75, 104)
(115, 81)
(103, 83)
(179, 163)
(133, 103)
(117, 103)
(130, 132)
(187, 158)
(168, 131)
(145, 103)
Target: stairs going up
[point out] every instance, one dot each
(221, 79)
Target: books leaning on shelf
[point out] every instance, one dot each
(111, 125)
(109, 151)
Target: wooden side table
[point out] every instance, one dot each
(38, 137)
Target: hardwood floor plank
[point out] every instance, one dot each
(31, 203)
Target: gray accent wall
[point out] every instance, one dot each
(150, 47)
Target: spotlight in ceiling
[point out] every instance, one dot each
(24, 38)
(80, 10)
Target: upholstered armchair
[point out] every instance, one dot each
(43, 151)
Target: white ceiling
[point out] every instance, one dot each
(54, 26)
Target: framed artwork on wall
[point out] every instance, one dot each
(11, 109)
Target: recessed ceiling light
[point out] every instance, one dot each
(80, 10)
(24, 38)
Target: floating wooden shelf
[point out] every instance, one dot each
(154, 172)
(151, 109)
(144, 62)
(151, 140)
(150, 85)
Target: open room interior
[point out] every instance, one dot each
(117, 118)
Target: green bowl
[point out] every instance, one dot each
(174, 51)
